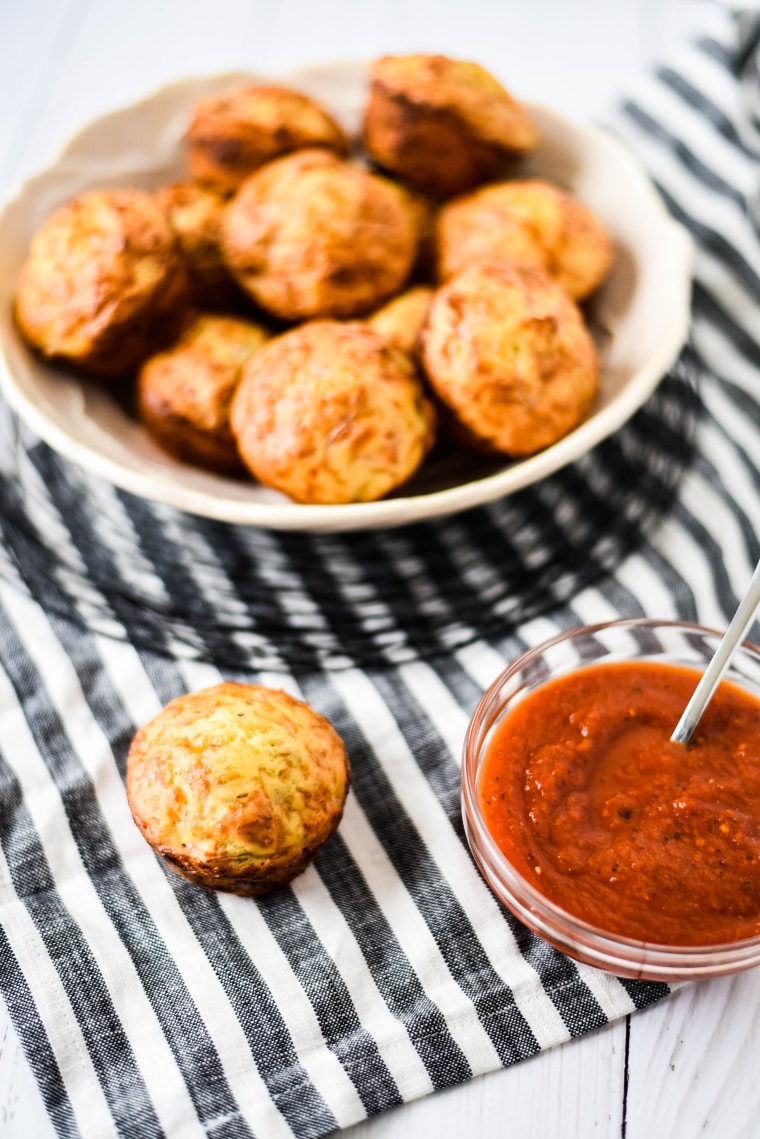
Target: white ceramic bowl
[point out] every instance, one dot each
(640, 317)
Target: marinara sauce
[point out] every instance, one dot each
(585, 794)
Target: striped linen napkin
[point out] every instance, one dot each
(148, 1006)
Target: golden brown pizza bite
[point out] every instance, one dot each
(507, 351)
(311, 235)
(184, 394)
(442, 125)
(401, 320)
(526, 220)
(232, 135)
(104, 283)
(237, 786)
(329, 413)
(195, 215)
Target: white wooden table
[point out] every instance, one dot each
(688, 1066)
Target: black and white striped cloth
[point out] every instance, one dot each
(150, 1007)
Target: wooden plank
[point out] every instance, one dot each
(22, 1111)
(575, 1089)
(693, 1063)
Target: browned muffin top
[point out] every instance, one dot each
(329, 413)
(103, 282)
(311, 235)
(237, 785)
(507, 350)
(232, 135)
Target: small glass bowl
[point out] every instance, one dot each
(666, 642)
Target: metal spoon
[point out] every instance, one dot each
(711, 677)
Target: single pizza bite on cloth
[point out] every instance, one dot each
(195, 216)
(507, 352)
(330, 413)
(526, 220)
(312, 235)
(232, 135)
(104, 283)
(237, 786)
(184, 394)
(442, 125)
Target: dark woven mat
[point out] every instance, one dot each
(240, 596)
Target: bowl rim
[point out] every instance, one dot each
(403, 509)
(581, 939)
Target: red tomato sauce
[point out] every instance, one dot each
(583, 791)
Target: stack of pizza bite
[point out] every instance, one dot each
(319, 312)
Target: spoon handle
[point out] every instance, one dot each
(732, 638)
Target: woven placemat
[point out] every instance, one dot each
(240, 596)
